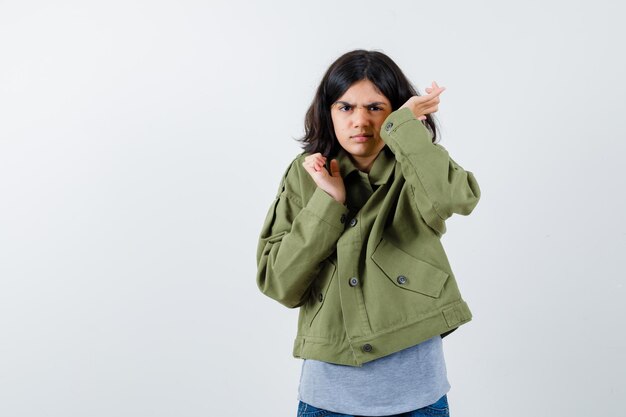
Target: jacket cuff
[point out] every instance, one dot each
(395, 121)
(327, 209)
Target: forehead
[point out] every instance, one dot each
(363, 91)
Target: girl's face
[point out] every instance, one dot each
(357, 118)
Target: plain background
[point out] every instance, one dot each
(141, 144)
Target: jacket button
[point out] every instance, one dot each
(388, 126)
(401, 279)
(320, 297)
(354, 281)
(367, 347)
(342, 219)
(352, 222)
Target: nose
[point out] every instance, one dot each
(360, 117)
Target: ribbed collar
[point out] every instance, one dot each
(379, 172)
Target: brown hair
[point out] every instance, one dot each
(346, 70)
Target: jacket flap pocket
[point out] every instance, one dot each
(408, 272)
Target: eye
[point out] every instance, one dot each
(375, 108)
(345, 107)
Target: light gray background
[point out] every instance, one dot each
(141, 144)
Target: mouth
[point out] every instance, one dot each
(361, 137)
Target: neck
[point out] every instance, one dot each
(363, 163)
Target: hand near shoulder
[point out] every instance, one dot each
(426, 104)
(331, 182)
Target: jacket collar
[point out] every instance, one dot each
(379, 172)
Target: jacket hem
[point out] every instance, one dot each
(361, 350)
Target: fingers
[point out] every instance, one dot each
(431, 100)
(435, 85)
(435, 92)
(334, 168)
(425, 103)
(422, 105)
(314, 163)
(434, 89)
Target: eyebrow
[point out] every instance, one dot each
(375, 103)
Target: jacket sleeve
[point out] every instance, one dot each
(295, 239)
(441, 186)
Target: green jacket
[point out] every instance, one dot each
(370, 277)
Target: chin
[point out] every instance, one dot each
(364, 149)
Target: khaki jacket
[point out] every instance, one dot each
(370, 277)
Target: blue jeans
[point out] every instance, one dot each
(438, 408)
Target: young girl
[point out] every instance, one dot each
(353, 239)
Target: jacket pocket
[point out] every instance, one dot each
(408, 272)
(319, 291)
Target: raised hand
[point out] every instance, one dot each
(426, 104)
(331, 182)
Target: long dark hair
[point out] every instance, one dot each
(346, 70)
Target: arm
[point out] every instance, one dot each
(294, 240)
(441, 186)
